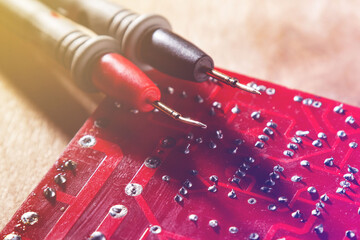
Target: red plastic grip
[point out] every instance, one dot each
(122, 80)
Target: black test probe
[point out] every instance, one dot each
(145, 39)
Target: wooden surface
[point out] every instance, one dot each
(308, 45)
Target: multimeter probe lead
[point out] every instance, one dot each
(94, 61)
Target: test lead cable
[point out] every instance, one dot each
(94, 61)
(146, 40)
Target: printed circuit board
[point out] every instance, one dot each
(283, 165)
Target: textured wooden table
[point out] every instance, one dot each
(312, 46)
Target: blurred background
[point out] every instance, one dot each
(308, 45)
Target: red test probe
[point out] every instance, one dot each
(93, 60)
(135, 86)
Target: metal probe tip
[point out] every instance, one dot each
(231, 81)
(177, 116)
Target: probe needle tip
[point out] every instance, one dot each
(247, 88)
(192, 122)
(231, 81)
(177, 116)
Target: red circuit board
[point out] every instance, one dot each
(282, 165)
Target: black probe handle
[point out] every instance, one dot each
(173, 55)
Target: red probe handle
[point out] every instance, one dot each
(122, 80)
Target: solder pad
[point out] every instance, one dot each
(282, 165)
